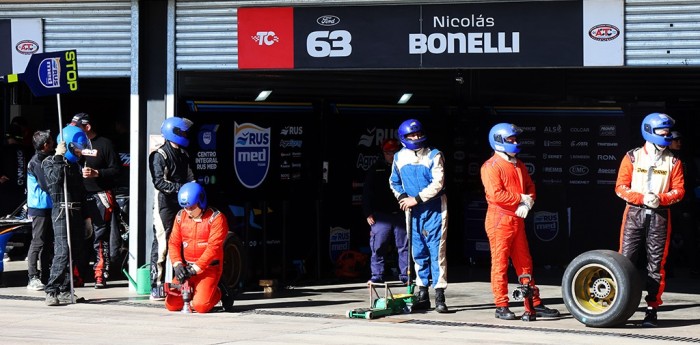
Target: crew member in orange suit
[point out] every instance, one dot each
(649, 180)
(196, 249)
(510, 194)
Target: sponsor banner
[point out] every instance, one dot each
(206, 160)
(251, 153)
(546, 225)
(19, 39)
(514, 34)
(603, 32)
(339, 242)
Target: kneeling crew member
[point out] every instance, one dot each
(196, 248)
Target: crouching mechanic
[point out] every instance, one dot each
(196, 248)
(510, 194)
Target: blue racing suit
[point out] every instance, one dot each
(420, 174)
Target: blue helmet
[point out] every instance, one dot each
(175, 129)
(498, 135)
(75, 138)
(192, 193)
(411, 126)
(655, 121)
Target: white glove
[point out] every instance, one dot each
(651, 200)
(61, 148)
(522, 210)
(527, 200)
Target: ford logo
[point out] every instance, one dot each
(578, 170)
(27, 47)
(328, 20)
(604, 32)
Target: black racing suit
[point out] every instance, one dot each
(170, 169)
(100, 204)
(55, 169)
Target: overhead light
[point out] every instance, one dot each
(404, 99)
(263, 95)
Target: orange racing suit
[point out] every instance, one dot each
(199, 242)
(505, 179)
(641, 172)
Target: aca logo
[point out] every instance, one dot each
(251, 153)
(546, 225)
(207, 137)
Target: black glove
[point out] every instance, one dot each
(181, 273)
(191, 271)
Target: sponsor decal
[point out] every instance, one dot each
(580, 156)
(328, 20)
(290, 143)
(606, 182)
(607, 144)
(266, 38)
(529, 129)
(524, 156)
(530, 168)
(125, 158)
(607, 158)
(604, 32)
(578, 170)
(207, 136)
(339, 242)
(552, 143)
(50, 72)
(575, 143)
(607, 130)
(292, 130)
(551, 181)
(580, 130)
(611, 171)
(375, 136)
(579, 182)
(251, 153)
(546, 225)
(551, 156)
(27, 47)
(473, 169)
(459, 155)
(527, 142)
(552, 169)
(206, 160)
(552, 129)
(365, 162)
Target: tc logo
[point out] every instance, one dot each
(266, 37)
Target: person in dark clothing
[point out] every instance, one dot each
(384, 215)
(684, 247)
(100, 170)
(39, 206)
(13, 171)
(170, 169)
(64, 166)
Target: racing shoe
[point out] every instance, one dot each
(650, 318)
(422, 299)
(440, 305)
(35, 284)
(52, 299)
(542, 311)
(375, 280)
(157, 293)
(65, 297)
(100, 283)
(504, 313)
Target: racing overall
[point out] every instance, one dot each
(199, 242)
(55, 169)
(170, 169)
(100, 203)
(420, 174)
(505, 179)
(645, 230)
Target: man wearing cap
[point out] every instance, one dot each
(384, 215)
(100, 169)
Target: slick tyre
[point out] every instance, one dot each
(235, 270)
(601, 288)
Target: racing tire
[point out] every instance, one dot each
(601, 288)
(235, 270)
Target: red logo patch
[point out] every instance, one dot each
(266, 38)
(27, 47)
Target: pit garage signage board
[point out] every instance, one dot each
(513, 34)
(19, 39)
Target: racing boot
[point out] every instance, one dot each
(650, 318)
(227, 298)
(504, 313)
(422, 300)
(440, 305)
(542, 311)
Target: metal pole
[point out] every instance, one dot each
(65, 202)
